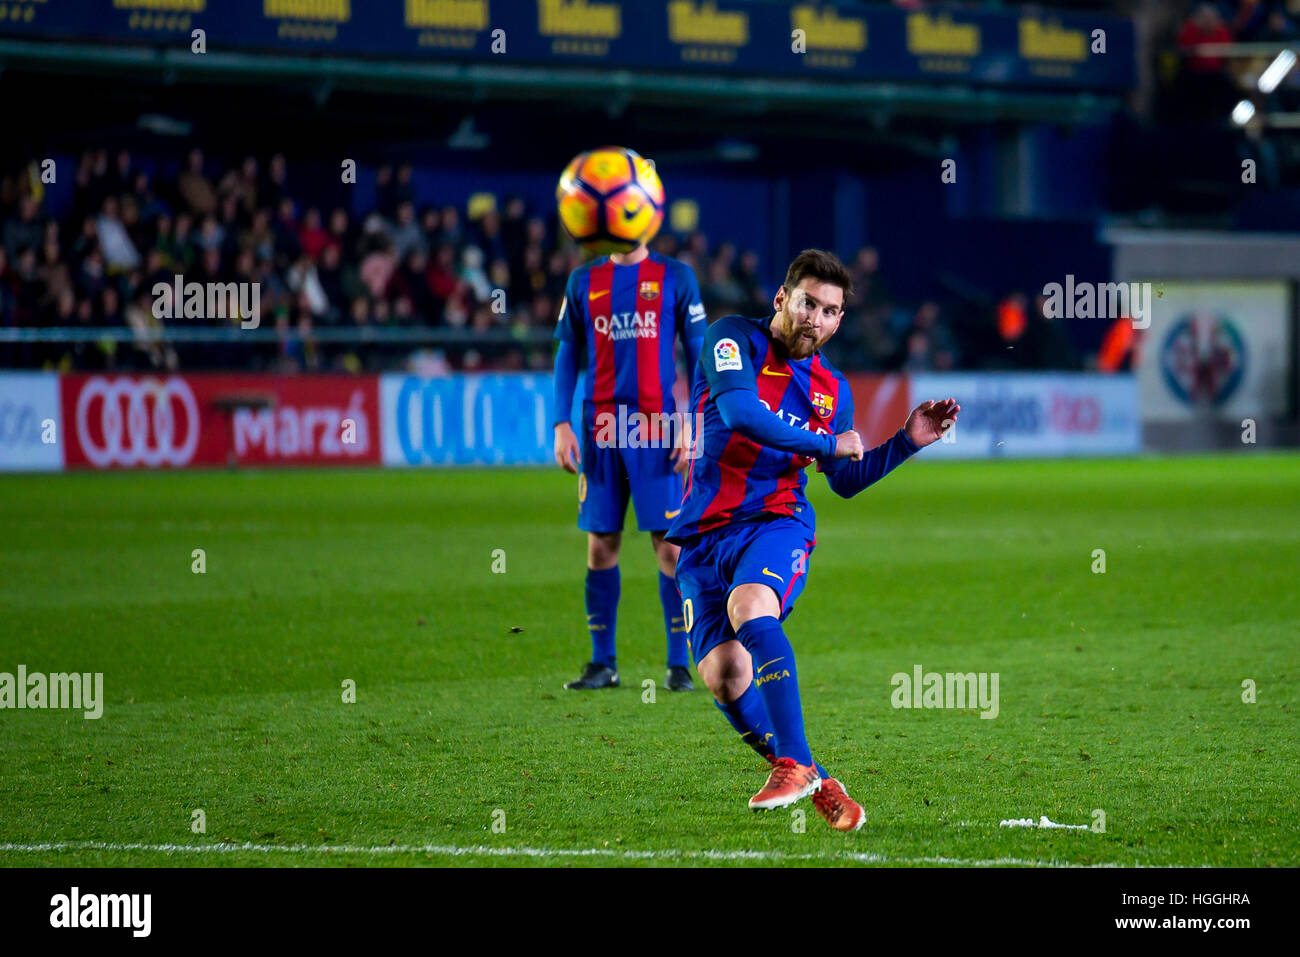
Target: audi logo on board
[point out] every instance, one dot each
(144, 421)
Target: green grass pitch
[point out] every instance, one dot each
(1119, 691)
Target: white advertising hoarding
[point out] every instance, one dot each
(30, 426)
(1219, 350)
(1025, 414)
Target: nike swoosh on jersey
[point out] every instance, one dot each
(767, 371)
(774, 575)
(766, 663)
(597, 293)
(672, 514)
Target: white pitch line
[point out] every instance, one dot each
(539, 852)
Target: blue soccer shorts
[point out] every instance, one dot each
(773, 552)
(608, 476)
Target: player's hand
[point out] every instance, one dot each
(681, 458)
(930, 420)
(848, 445)
(567, 455)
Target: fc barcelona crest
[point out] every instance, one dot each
(824, 404)
(649, 289)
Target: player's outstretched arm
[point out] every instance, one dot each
(926, 425)
(742, 412)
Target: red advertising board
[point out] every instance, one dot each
(177, 421)
(881, 404)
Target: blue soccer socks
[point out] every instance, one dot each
(777, 681)
(748, 715)
(603, 587)
(674, 621)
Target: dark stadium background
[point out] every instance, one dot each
(1041, 171)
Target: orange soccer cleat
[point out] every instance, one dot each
(841, 811)
(788, 782)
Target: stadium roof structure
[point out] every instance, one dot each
(962, 65)
(613, 89)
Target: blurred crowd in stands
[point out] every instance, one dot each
(1211, 82)
(1237, 21)
(497, 276)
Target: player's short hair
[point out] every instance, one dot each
(820, 265)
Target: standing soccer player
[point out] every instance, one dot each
(771, 405)
(620, 319)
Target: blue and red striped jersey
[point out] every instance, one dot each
(731, 477)
(622, 321)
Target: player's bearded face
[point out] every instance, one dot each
(807, 316)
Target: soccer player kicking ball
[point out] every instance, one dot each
(620, 317)
(771, 404)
